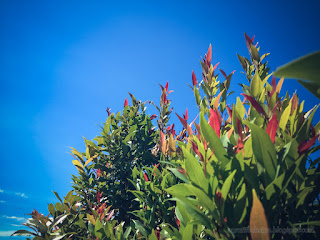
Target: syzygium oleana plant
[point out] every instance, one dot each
(236, 167)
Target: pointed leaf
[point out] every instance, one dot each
(213, 140)
(258, 220)
(306, 68)
(256, 85)
(263, 149)
(272, 127)
(254, 104)
(194, 170)
(209, 56)
(214, 122)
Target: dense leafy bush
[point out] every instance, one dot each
(239, 171)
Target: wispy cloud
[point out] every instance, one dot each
(2, 201)
(19, 219)
(21, 195)
(6, 233)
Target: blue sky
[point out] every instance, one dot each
(64, 62)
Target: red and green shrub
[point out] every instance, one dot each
(237, 171)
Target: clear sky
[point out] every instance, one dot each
(64, 62)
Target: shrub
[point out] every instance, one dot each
(245, 171)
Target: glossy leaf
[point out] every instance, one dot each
(306, 68)
(213, 140)
(272, 127)
(194, 170)
(263, 149)
(259, 229)
(254, 104)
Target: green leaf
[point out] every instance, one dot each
(197, 96)
(313, 87)
(202, 197)
(181, 189)
(188, 232)
(127, 232)
(59, 207)
(194, 170)
(227, 184)
(312, 223)
(57, 195)
(51, 209)
(140, 227)
(213, 140)
(98, 230)
(194, 212)
(179, 175)
(263, 150)
(306, 67)
(226, 188)
(255, 53)
(256, 86)
(152, 236)
(281, 182)
(182, 214)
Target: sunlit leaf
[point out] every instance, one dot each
(259, 229)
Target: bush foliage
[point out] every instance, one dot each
(241, 171)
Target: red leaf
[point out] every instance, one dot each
(252, 38)
(125, 102)
(229, 111)
(162, 88)
(209, 56)
(99, 195)
(153, 116)
(196, 150)
(183, 121)
(304, 146)
(248, 41)
(214, 122)
(240, 145)
(167, 85)
(182, 170)
(162, 138)
(165, 101)
(194, 79)
(272, 127)
(255, 104)
(173, 132)
(215, 66)
(223, 73)
(178, 222)
(186, 114)
(273, 83)
(99, 173)
(145, 177)
(108, 111)
(239, 128)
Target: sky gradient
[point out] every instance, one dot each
(64, 62)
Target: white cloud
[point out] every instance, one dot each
(20, 219)
(21, 195)
(1, 201)
(6, 233)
